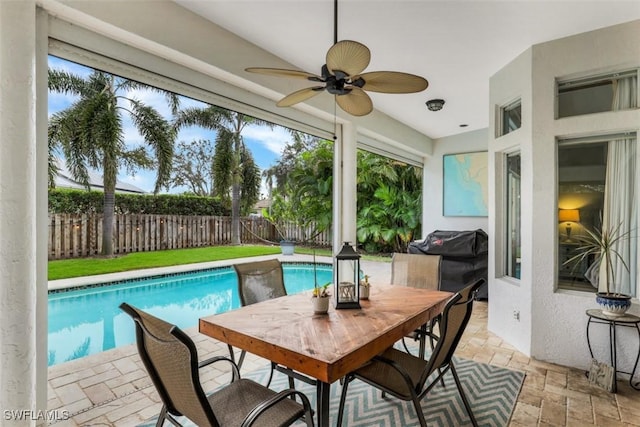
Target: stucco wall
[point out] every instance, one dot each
(611, 49)
(432, 217)
(509, 295)
(556, 329)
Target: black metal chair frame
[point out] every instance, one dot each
(417, 390)
(427, 330)
(272, 264)
(169, 411)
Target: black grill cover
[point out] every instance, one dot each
(464, 257)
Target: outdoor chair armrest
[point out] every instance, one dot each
(253, 416)
(234, 366)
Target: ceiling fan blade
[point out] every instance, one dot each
(280, 72)
(392, 82)
(356, 102)
(299, 96)
(348, 56)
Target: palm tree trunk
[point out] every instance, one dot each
(235, 190)
(235, 212)
(107, 222)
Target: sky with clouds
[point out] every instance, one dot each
(265, 144)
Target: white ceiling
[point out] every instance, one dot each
(455, 45)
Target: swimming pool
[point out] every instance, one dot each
(88, 321)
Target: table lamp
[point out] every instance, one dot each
(569, 216)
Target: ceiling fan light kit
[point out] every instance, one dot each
(435, 104)
(342, 77)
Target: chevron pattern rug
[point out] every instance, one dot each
(492, 391)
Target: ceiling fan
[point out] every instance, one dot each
(342, 76)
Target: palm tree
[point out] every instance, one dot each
(233, 165)
(277, 175)
(90, 133)
(306, 197)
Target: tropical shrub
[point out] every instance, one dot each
(80, 201)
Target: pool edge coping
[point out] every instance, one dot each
(115, 278)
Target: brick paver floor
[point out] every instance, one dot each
(112, 388)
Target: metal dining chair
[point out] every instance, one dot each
(170, 357)
(423, 272)
(260, 281)
(405, 376)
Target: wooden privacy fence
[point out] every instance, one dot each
(76, 236)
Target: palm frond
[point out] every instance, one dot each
(600, 243)
(159, 135)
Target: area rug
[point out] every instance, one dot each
(492, 391)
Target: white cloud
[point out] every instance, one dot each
(273, 139)
(152, 98)
(192, 133)
(143, 179)
(68, 66)
(130, 134)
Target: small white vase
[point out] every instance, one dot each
(364, 292)
(320, 305)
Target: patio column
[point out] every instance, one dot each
(344, 186)
(18, 367)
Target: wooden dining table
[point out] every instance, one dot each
(325, 347)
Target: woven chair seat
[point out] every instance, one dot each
(261, 281)
(171, 359)
(422, 272)
(378, 372)
(408, 377)
(234, 402)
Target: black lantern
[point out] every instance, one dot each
(346, 276)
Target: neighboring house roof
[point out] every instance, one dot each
(261, 204)
(64, 179)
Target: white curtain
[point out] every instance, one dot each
(620, 196)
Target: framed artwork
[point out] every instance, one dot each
(465, 184)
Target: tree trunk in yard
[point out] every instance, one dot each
(235, 190)
(107, 223)
(235, 212)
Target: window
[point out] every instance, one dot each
(513, 215)
(595, 94)
(596, 182)
(510, 117)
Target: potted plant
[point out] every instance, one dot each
(365, 287)
(601, 244)
(287, 245)
(320, 298)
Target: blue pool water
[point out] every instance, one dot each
(88, 321)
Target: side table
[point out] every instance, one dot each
(628, 321)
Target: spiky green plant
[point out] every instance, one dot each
(601, 243)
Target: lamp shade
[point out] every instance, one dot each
(569, 215)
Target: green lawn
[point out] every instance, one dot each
(64, 269)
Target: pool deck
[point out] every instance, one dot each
(113, 389)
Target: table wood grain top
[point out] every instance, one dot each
(326, 347)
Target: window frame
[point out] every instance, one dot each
(585, 140)
(500, 126)
(507, 254)
(589, 80)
